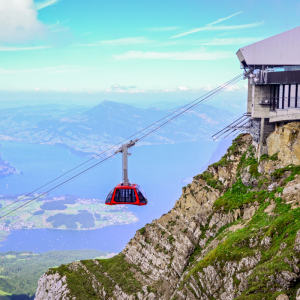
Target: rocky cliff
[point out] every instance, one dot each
(233, 234)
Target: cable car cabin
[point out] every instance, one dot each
(127, 194)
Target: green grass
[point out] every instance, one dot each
(10, 256)
(234, 150)
(118, 269)
(142, 230)
(236, 196)
(280, 172)
(209, 178)
(2, 293)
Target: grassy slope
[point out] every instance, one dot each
(120, 272)
(281, 227)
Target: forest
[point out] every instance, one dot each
(20, 271)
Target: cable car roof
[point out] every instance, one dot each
(279, 50)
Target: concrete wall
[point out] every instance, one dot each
(291, 114)
(268, 129)
(260, 92)
(249, 99)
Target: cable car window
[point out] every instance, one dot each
(108, 199)
(141, 196)
(125, 195)
(142, 191)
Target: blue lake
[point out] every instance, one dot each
(159, 169)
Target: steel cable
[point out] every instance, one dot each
(208, 96)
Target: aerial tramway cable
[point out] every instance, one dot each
(213, 92)
(58, 186)
(198, 101)
(209, 94)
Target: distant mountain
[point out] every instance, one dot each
(14, 119)
(108, 123)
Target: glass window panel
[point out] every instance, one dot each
(293, 95)
(142, 191)
(141, 194)
(286, 96)
(108, 199)
(298, 96)
(125, 195)
(280, 97)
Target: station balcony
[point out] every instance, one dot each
(282, 108)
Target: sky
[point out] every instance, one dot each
(130, 50)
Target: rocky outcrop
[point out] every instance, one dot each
(233, 233)
(285, 141)
(52, 287)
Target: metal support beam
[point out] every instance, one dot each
(125, 164)
(124, 150)
(261, 140)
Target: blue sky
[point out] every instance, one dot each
(130, 49)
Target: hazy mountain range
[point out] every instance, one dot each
(92, 130)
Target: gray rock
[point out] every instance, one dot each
(52, 287)
(282, 246)
(286, 279)
(282, 297)
(298, 295)
(297, 242)
(272, 186)
(266, 241)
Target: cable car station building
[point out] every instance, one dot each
(273, 85)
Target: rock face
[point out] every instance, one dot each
(286, 142)
(52, 287)
(233, 234)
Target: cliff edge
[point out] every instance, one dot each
(233, 234)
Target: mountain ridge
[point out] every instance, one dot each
(108, 123)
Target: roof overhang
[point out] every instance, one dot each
(279, 50)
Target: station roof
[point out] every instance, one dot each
(279, 50)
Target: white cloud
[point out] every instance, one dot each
(211, 27)
(18, 22)
(120, 42)
(219, 28)
(48, 70)
(207, 88)
(4, 48)
(187, 55)
(117, 87)
(225, 41)
(58, 26)
(224, 19)
(45, 3)
(183, 88)
(131, 89)
(161, 29)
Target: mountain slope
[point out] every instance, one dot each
(109, 123)
(233, 234)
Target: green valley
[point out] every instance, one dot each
(64, 212)
(20, 271)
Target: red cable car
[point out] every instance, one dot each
(125, 192)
